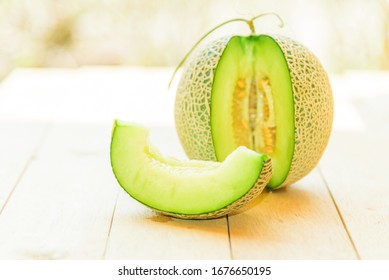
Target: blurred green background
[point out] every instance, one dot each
(348, 34)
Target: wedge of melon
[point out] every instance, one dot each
(185, 189)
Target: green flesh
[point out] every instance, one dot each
(182, 187)
(252, 103)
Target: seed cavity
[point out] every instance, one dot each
(253, 114)
(240, 116)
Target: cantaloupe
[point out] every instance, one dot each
(266, 92)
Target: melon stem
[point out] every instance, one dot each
(249, 22)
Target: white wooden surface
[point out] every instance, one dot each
(299, 222)
(59, 199)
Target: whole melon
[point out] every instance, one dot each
(266, 92)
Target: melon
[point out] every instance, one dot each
(191, 189)
(266, 92)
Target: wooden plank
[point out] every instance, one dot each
(299, 222)
(62, 207)
(18, 142)
(139, 233)
(355, 167)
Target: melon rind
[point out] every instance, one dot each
(313, 107)
(193, 102)
(312, 95)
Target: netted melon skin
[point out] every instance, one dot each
(313, 107)
(193, 99)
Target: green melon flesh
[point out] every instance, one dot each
(252, 102)
(176, 187)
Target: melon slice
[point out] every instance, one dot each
(191, 189)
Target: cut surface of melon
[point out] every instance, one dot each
(186, 189)
(252, 102)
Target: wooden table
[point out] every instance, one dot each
(59, 199)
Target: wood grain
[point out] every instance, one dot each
(18, 142)
(355, 168)
(63, 204)
(298, 222)
(139, 233)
